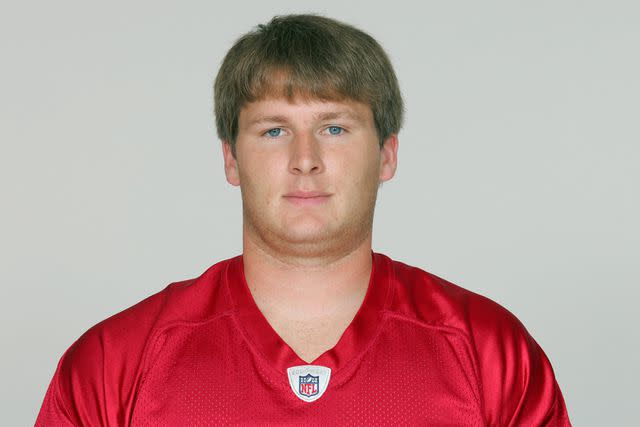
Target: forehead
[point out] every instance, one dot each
(298, 109)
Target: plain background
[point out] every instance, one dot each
(518, 170)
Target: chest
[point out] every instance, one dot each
(215, 377)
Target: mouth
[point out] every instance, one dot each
(306, 194)
(307, 198)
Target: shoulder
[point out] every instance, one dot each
(116, 351)
(515, 378)
(485, 325)
(431, 299)
(189, 300)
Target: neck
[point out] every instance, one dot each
(335, 282)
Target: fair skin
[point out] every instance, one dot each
(314, 252)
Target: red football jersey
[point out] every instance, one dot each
(420, 351)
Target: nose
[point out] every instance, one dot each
(306, 155)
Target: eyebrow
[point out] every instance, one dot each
(331, 115)
(267, 119)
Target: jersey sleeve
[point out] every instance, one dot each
(97, 378)
(53, 411)
(519, 387)
(91, 385)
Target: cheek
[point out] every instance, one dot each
(260, 177)
(355, 180)
(360, 168)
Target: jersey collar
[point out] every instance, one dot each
(353, 343)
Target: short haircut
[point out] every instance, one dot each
(307, 56)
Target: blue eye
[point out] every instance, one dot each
(275, 132)
(335, 130)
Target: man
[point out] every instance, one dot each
(308, 326)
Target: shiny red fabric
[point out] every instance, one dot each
(420, 351)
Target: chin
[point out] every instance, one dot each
(307, 235)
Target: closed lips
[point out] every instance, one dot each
(306, 194)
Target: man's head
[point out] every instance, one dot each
(308, 105)
(308, 57)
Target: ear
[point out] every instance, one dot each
(388, 158)
(230, 165)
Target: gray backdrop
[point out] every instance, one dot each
(518, 170)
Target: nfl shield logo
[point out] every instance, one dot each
(309, 385)
(309, 382)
